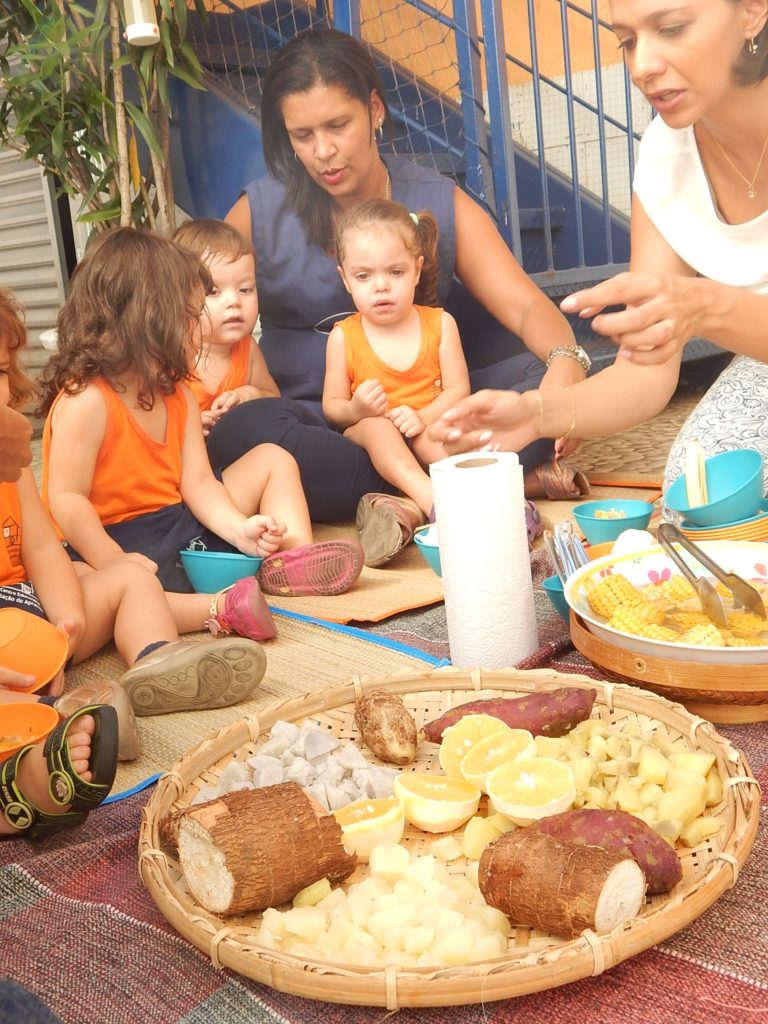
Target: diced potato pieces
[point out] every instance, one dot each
(421, 870)
(446, 849)
(714, 787)
(387, 927)
(389, 861)
(626, 795)
(650, 794)
(455, 945)
(274, 921)
(684, 803)
(596, 747)
(418, 939)
(306, 922)
(478, 832)
(583, 769)
(698, 762)
(678, 777)
(652, 765)
(699, 830)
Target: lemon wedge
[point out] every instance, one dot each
(368, 822)
(459, 739)
(436, 803)
(531, 788)
(495, 750)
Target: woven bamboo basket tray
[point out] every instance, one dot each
(725, 694)
(534, 961)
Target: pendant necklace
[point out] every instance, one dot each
(751, 190)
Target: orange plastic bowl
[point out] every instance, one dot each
(22, 724)
(31, 645)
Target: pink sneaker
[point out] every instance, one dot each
(312, 570)
(245, 612)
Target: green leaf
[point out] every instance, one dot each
(191, 58)
(180, 10)
(165, 39)
(99, 216)
(147, 129)
(186, 77)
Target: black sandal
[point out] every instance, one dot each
(65, 786)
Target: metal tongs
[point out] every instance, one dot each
(565, 549)
(744, 594)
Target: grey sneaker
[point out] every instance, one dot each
(193, 675)
(106, 692)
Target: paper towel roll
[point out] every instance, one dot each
(480, 512)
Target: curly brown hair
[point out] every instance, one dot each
(13, 332)
(418, 231)
(134, 299)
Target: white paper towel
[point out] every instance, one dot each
(480, 513)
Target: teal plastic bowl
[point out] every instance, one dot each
(553, 588)
(637, 515)
(211, 571)
(734, 489)
(425, 540)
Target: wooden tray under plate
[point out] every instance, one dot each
(726, 694)
(534, 961)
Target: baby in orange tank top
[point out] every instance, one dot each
(126, 472)
(230, 368)
(393, 368)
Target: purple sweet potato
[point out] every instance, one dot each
(620, 832)
(548, 713)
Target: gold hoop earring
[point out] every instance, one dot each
(752, 47)
(380, 131)
(296, 156)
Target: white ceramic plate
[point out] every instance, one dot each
(748, 559)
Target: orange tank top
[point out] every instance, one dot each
(415, 387)
(11, 568)
(134, 473)
(237, 375)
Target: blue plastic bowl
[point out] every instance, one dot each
(637, 515)
(734, 488)
(553, 587)
(211, 571)
(429, 550)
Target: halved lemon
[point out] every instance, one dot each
(495, 750)
(531, 788)
(368, 822)
(459, 739)
(436, 803)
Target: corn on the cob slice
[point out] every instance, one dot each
(742, 641)
(676, 589)
(611, 593)
(746, 624)
(704, 636)
(683, 620)
(632, 620)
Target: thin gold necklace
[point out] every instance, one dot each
(751, 190)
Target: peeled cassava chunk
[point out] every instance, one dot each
(257, 848)
(559, 887)
(386, 726)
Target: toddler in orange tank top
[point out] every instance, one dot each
(126, 473)
(230, 368)
(394, 367)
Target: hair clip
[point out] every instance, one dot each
(414, 218)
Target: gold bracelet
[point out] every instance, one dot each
(573, 413)
(540, 404)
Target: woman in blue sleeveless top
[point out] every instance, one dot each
(322, 109)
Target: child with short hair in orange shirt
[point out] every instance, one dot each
(231, 368)
(126, 473)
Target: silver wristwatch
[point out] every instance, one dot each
(571, 352)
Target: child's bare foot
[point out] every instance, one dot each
(54, 784)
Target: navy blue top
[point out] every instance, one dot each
(301, 295)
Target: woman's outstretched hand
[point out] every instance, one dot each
(657, 321)
(487, 421)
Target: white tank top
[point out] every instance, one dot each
(671, 184)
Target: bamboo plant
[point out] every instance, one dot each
(93, 111)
